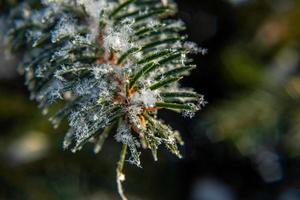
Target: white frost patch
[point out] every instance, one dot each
(94, 9)
(118, 39)
(124, 136)
(101, 70)
(146, 96)
(194, 48)
(65, 27)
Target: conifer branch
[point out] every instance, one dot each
(107, 61)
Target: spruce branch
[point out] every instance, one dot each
(111, 63)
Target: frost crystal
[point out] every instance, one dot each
(65, 27)
(118, 39)
(193, 47)
(147, 97)
(124, 135)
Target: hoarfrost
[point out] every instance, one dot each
(146, 96)
(124, 136)
(118, 39)
(65, 27)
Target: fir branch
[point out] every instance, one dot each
(108, 61)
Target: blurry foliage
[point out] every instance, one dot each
(263, 110)
(250, 70)
(247, 120)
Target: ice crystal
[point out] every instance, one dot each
(118, 39)
(65, 27)
(147, 97)
(124, 135)
(188, 114)
(193, 47)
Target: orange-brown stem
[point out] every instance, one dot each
(151, 109)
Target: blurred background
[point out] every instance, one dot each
(244, 145)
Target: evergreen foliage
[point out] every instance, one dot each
(111, 64)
